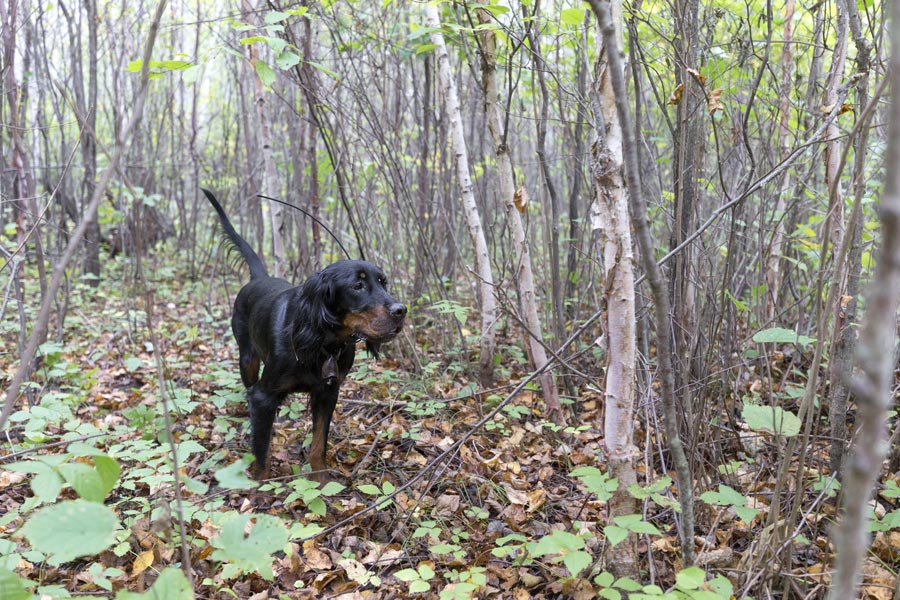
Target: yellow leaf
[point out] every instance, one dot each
(142, 562)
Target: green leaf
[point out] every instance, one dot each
(577, 561)
(252, 550)
(85, 480)
(265, 72)
(745, 513)
(572, 16)
(780, 335)
(46, 483)
(418, 586)
(604, 579)
(171, 65)
(287, 59)
(645, 528)
(690, 579)
(722, 586)
(108, 469)
(232, 477)
(135, 66)
(726, 496)
(556, 542)
(331, 488)
(191, 75)
(324, 69)
(494, 9)
(628, 584)
(772, 419)
(425, 571)
(275, 16)
(407, 575)
(171, 585)
(614, 534)
(369, 489)
(47, 486)
(304, 530)
(253, 39)
(12, 587)
(71, 529)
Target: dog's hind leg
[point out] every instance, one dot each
(248, 360)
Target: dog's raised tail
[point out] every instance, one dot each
(257, 268)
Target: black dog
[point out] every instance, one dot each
(306, 337)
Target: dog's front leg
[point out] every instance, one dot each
(263, 408)
(323, 403)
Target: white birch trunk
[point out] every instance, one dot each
(270, 176)
(473, 217)
(521, 253)
(609, 215)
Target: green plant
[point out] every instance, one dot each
(449, 307)
(245, 546)
(628, 523)
(463, 584)
(417, 578)
(566, 547)
(690, 584)
(309, 494)
(381, 493)
(729, 497)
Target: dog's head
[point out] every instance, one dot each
(353, 300)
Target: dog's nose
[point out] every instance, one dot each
(398, 311)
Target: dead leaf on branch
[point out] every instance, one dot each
(697, 75)
(714, 102)
(677, 95)
(520, 199)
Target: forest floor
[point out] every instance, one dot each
(459, 531)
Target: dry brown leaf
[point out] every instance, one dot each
(447, 504)
(315, 558)
(676, 96)
(520, 199)
(700, 77)
(715, 103)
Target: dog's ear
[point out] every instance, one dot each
(320, 295)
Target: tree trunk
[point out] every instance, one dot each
(521, 255)
(267, 156)
(875, 358)
(688, 166)
(658, 284)
(609, 216)
(844, 334)
(89, 147)
(470, 207)
(773, 266)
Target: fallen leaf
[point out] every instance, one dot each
(143, 561)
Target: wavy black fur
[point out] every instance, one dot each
(306, 336)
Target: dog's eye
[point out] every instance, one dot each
(382, 281)
(359, 285)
